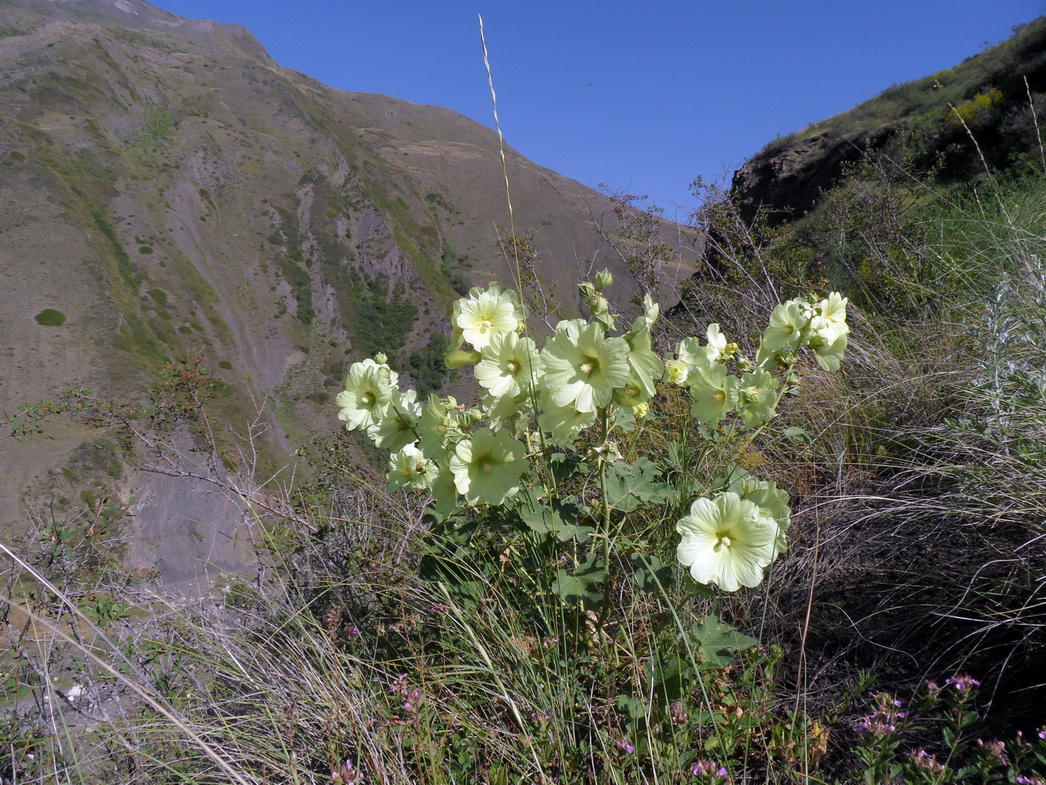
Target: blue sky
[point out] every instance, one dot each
(643, 96)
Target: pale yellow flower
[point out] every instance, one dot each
(487, 467)
(727, 542)
(368, 388)
(484, 314)
(583, 366)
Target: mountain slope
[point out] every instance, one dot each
(953, 124)
(166, 189)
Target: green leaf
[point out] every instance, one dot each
(716, 642)
(650, 575)
(556, 518)
(798, 435)
(624, 419)
(631, 485)
(583, 584)
(633, 707)
(666, 677)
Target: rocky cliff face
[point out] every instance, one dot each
(166, 189)
(785, 183)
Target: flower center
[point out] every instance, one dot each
(365, 400)
(487, 468)
(512, 367)
(485, 324)
(719, 396)
(589, 365)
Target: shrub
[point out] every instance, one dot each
(49, 317)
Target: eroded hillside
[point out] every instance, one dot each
(167, 190)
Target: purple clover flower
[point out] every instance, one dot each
(706, 768)
(679, 715)
(883, 721)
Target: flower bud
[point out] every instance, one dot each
(586, 290)
(380, 358)
(598, 304)
(604, 279)
(459, 357)
(678, 371)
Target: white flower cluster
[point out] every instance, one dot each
(581, 376)
(753, 392)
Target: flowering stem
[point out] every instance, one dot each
(604, 422)
(601, 458)
(780, 394)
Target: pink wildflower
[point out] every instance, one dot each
(625, 744)
(993, 751)
(963, 683)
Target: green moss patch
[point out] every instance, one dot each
(159, 297)
(49, 317)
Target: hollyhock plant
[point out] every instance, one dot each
(757, 398)
(487, 467)
(832, 310)
(714, 393)
(771, 501)
(716, 349)
(563, 423)
(828, 349)
(508, 366)
(587, 378)
(728, 542)
(484, 314)
(646, 368)
(785, 330)
(677, 371)
(440, 425)
(444, 490)
(409, 468)
(368, 389)
(583, 366)
(693, 354)
(399, 426)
